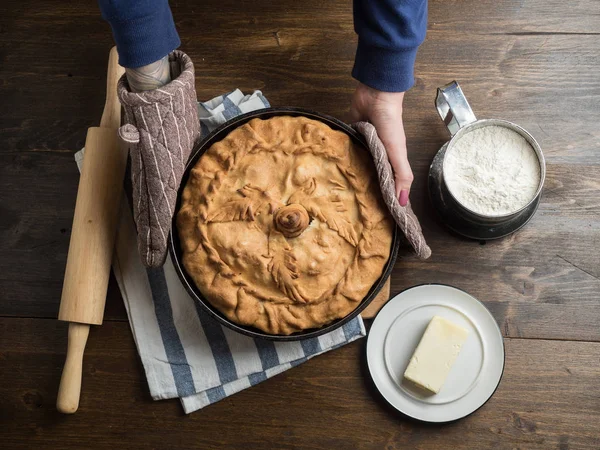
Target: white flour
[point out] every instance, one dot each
(492, 171)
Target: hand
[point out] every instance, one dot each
(384, 111)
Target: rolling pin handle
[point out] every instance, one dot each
(70, 382)
(111, 116)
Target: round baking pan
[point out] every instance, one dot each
(175, 248)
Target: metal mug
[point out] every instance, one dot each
(458, 116)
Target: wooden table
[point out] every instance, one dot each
(535, 62)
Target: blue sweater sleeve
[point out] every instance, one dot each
(144, 30)
(389, 34)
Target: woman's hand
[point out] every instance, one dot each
(384, 111)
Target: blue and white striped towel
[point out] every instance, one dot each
(185, 352)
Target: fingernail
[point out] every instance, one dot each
(403, 197)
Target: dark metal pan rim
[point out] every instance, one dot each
(175, 249)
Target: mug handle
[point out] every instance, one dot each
(453, 107)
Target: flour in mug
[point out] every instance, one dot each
(492, 170)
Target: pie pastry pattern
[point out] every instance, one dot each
(282, 225)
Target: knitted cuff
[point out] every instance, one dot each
(162, 127)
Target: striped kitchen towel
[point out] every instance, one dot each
(185, 352)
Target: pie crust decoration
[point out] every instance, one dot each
(282, 225)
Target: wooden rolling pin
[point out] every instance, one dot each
(378, 302)
(92, 237)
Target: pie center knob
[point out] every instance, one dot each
(291, 220)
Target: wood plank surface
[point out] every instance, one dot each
(544, 401)
(534, 62)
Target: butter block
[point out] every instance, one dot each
(433, 358)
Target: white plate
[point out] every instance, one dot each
(398, 328)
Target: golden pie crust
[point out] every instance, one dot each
(282, 225)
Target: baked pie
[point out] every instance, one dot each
(282, 225)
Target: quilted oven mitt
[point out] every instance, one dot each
(161, 127)
(403, 215)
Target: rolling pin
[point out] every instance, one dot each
(92, 237)
(378, 302)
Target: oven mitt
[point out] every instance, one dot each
(403, 215)
(161, 129)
